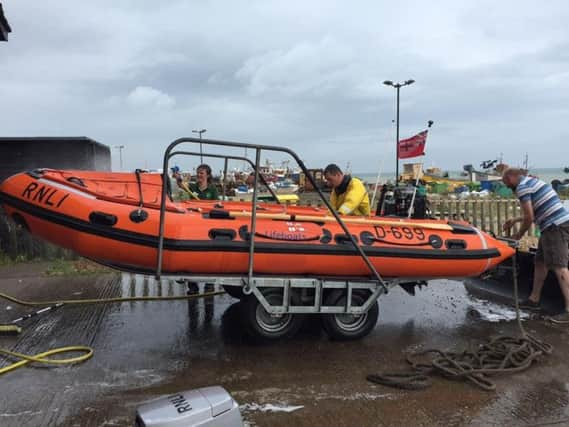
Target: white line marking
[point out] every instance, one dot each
(66, 188)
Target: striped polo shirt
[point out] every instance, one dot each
(547, 207)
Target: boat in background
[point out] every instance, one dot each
(438, 181)
(286, 186)
(491, 171)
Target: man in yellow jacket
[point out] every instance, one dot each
(349, 196)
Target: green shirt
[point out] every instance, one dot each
(210, 193)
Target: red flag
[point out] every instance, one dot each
(414, 146)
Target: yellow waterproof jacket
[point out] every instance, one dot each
(354, 201)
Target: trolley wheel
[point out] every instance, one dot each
(234, 291)
(344, 327)
(265, 326)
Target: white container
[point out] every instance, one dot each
(208, 406)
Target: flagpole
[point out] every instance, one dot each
(419, 175)
(376, 184)
(397, 141)
(397, 86)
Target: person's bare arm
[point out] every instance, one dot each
(511, 222)
(527, 219)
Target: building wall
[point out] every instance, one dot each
(22, 154)
(4, 26)
(101, 158)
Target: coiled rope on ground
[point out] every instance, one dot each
(501, 355)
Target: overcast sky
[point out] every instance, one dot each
(494, 76)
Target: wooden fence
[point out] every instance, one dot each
(17, 244)
(488, 215)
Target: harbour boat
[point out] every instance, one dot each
(266, 197)
(491, 171)
(114, 218)
(286, 186)
(434, 177)
(559, 185)
(244, 193)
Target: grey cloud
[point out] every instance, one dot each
(302, 74)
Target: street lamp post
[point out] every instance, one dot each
(120, 148)
(200, 131)
(397, 86)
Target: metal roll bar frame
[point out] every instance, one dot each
(249, 285)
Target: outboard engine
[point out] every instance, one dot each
(208, 406)
(396, 201)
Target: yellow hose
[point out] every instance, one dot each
(88, 351)
(43, 357)
(107, 300)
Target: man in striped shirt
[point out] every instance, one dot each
(541, 204)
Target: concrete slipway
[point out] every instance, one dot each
(144, 350)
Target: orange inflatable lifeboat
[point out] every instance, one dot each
(113, 218)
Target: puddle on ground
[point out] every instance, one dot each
(492, 312)
(441, 304)
(269, 407)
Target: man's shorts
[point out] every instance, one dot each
(553, 246)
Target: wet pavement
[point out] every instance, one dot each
(148, 349)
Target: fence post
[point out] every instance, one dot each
(499, 217)
(483, 218)
(492, 216)
(517, 214)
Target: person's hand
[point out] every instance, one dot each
(517, 236)
(508, 224)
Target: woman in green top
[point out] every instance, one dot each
(204, 187)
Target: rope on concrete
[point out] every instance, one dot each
(501, 355)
